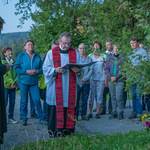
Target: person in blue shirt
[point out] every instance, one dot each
(139, 54)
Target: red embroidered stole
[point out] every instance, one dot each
(59, 91)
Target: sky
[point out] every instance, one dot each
(11, 20)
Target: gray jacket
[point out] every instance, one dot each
(86, 72)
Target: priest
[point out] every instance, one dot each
(61, 86)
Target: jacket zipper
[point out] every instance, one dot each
(32, 61)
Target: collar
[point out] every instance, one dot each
(137, 49)
(63, 51)
(109, 52)
(116, 55)
(9, 61)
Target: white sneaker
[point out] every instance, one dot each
(12, 121)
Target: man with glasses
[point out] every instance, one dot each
(61, 86)
(3, 70)
(83, 88)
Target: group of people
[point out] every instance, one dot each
(63, 90)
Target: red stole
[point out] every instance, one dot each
(59, 91)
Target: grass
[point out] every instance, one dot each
(135, 140)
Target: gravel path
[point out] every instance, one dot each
(34, 131)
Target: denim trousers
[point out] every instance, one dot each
(116, 96)
(35, 94)
(11, 95)
(147, 100)
(32, 106)
(136, 99)
(82, 94)
(45, 108)
(124, 96)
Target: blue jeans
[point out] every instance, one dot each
(11, 93)
(147, 100)
(35, 94)
(84, 89)
(136, 99)
(45, 107)
(32, 106)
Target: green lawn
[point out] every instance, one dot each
(135, 140)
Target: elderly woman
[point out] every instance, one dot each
(115, 83)
(27, 77)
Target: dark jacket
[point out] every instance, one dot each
(110, 68)
(3, 124)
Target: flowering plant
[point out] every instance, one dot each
(146, 118)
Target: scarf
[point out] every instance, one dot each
(59, 91)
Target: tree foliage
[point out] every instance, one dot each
(90, 20)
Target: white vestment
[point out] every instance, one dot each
(50, 75)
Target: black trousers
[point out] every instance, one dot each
(52, 122)
(106, 91)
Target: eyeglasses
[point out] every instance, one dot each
(68, 44)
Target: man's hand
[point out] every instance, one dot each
(113, 79)
(59, 70)
(83, 80)
(75, 69)
(8, 67)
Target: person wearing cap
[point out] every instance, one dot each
(27, 76)
(97, 82)
(3, 70)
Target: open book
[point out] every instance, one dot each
(71, 65)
